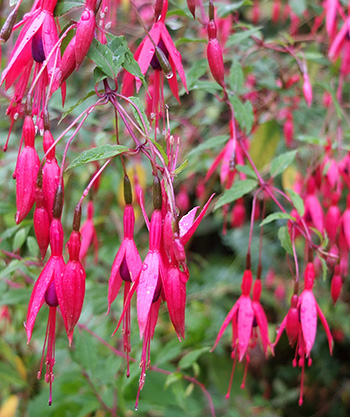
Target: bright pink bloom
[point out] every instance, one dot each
(146, 52)
(71, 286)
(330, 7)
(41, 219)
(26, 172)
(242, 316)
(307, 309)
(46, 290)
(214, 55)
(126, 268)
(336, 284)
(307, 89)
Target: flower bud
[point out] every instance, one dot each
(336, 284)
(7, 27)
(307, 90)
(215, 60)
(293, 321)
(191, 4)
(127, 191)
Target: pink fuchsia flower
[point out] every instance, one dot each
(336, 284)
(26, 172)
(305, 309)
(41, 218)
(36, 41)
(46, 290)
(145, 53)
(85, 32)
(245, 316)
(126, 268)
(70, 285)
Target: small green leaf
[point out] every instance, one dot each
(20, 238)
(224, 10)
(33, 246)
(208, 144)
(160, 149)
(243, 113)
(189, 40)
(297, 201)
(238, 37)
(98, 153)
(170, 379)
(198, 69)
(89, 94)
(298, 7)
(190, 358)
(64, 6)
(281, 162)
(138, 104)
(236, 77)
(324, 268)
(247, 170)
(238, 190)
(283, 236)
(276, 216)
(264, 143)
(181, 167)
(104, 58)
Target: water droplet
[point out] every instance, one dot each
(144, 267)
(169, 75)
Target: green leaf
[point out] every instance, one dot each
(64, 6)
(208, 144)
(236, 77)
(238, 190)
(98, 153)
(238, 37)
(104, 58)
(284, 238)
(11, 267)
(190, 358)
(224, 10)
(324, 268)
(160, 149)
(298, 7)
(297, 201)
(247, 170)
(189, 40)
(276, 216)
(181, 167)
(88, 95)
(243, 113)
(20, 238)
(281, 162)
(198, 69)
(138, 104)
(170, 379)
(33, 246)
(264, 143)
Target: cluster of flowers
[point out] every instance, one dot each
(163, 274)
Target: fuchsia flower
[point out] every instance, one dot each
(37, 39)
(70, 285)
(46, 289)
(26, 172)
(145, 56)
(214, 52)
(41, 218)
(126, 267)
(246, 315)
(85, 32)
(301, 324)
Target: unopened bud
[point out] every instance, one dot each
(7, 27)
(163, 62)
(158, 9)
(191, 4)
(211, 10)
(127, 190)
(58, 203)
(46, 118)
(77, 218)
(157, 194)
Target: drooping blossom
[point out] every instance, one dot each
(46, 291)
(301, 324)
(126, 267)
(145, 56)
(88, 234)
(246, 316)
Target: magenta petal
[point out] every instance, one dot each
(280, 330)
(154, 316)
(245, 324)
(173, 53)
(326, 328)
(346, 226)
(133, 259)
(50, 38)
(37, 297)
(187, 236)
(308, 318)
(338, 42)
(231, 316)
(115, 280)
(147, 285)
(187, 220)
(262, 324)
